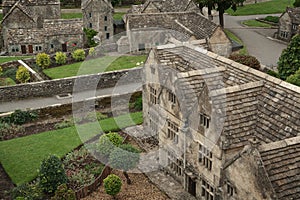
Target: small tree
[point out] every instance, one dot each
(90, 34)
(112, 185)
(295, 78)
(289, 61)
(43, 60)
(63, 193)
(60, 58)
(107, 143)
(78, 55)
(124, 158)
(22, 75)
(52, 174)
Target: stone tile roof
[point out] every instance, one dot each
(256, 104)
(189, 23)
(85, 3)
(294, 14)
(282, 164)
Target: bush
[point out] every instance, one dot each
(273, 73)
(78, 55)
(9, 130)
(138, 104)
(112, 185)
(90, 33)
(108, 142)
(52, 174)
(23, 75)
(250, 61)
(19, 117)
(289, 61)
(63, 193)
(27, 192)
(92, 52)
(11, 73)
(297, 3)
(60, 58)
(65, 124)
(43, 60)
(294, 79)
(273, 19)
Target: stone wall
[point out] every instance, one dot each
(66, 85)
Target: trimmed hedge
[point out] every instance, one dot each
(250, 61)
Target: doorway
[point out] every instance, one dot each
(192, 186)
(23, 49)
(64, 47)
(30, 48)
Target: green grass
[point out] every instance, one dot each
(7, 81)
(255, 23)
(118, 16)
(71, 15)
(269, 7)
(243, 51)
(4, 59)
(107, 63)
(21, 157)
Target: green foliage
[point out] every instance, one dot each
(250, 61)
(295, 78)
(27, 192)
(23, 75)
(43, 60)
(289, 61)
(296, 3)
(138, 104)
(255, 23)
(1, 71)
(92, 52)
(112, 185)
(52, 174)
(64, 124)
(273, 73)
(78, 55)
(115, 2)
(108, 142)
(90, 33)
(60, 58)
(273, 19)
(19, 117)
(125, 157)
(11, 73)
(8, 130)
(63, 193)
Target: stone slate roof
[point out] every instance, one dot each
(190, 23)
(166, 6)
(282, 164)
(85, 3)
(256, 104)
(294, 14)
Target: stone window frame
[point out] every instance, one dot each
(172, 131)
(204, 120)
(153, 95)
(90, 25)
(172, 97)
(295, 27)
(207, 191)
(15, 48)
(142, 47)
(105, 18)
(107, 36)
(229, 189)
(90, 15)
(105, 28)
(175, 164)
(205, 157)
(284, 34)
(52, 46)
(38, 48)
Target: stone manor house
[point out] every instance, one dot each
(226, 131)
(33, 26)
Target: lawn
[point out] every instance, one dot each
(243, 51)
(107, 63)
(21, 157)
(4, 59)
(255, 23)
(269, 7)
(118, 15)
(71, 15)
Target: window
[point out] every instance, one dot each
(230, 190)
(207, 191)
(91, 25)
(15, 49)
(175, 164)
(284, 34)
(172, 133)
(171, 97)
(105, 18)
(38, 48)
(52, 46)
(153, 95)
(90, 15)
(105, 28)
(205, 157)
(295, 27)
(107, 36)
(142, 47)
(204, 120)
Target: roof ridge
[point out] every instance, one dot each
(279, 144)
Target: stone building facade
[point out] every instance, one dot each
(98, 15)
(155, 22)
(289, 22)
(226, 131)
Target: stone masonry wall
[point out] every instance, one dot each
(66, 85)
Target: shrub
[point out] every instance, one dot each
(250, 61)
(294, 79)
(27, 192)
(273, 19)
(11, 73)
(9, 130)
(289, 61)
(65, 124)
(273, 73)
(23, 75)
(108, 142)
(52, 174)
(138, 104)
(112, 185)
(1, 71)
(19, 117)
(90, 33)
(43, 60)
(78, 55)
(63, 193)
(297, 3)
(92, 52)
(60, 58)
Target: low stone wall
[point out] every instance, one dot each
(66, 85)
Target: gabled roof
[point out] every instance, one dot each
(22, 9)
(282, 164)
(294, 14)
(86, 3)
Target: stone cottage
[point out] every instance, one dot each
(288, 24)
(156, 21)
(98, 15)
(226, 131)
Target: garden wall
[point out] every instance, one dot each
(66, 85)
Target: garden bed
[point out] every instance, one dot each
(6, 185)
